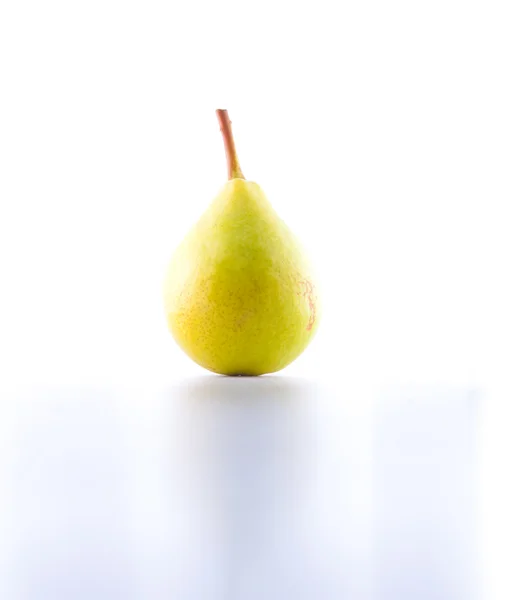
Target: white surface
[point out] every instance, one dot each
(217, 488)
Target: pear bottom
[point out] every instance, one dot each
(246, 328)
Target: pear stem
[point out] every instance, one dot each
(234, 171)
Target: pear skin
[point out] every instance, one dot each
(239, 294)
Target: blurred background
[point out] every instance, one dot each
(379, 133)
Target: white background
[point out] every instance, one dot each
(379, 130)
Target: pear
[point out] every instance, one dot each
(239, 294)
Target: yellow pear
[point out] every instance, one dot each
(239, 294)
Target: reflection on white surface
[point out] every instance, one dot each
(216, 488)
(424, 495)
(256, 495)
(225, 489)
